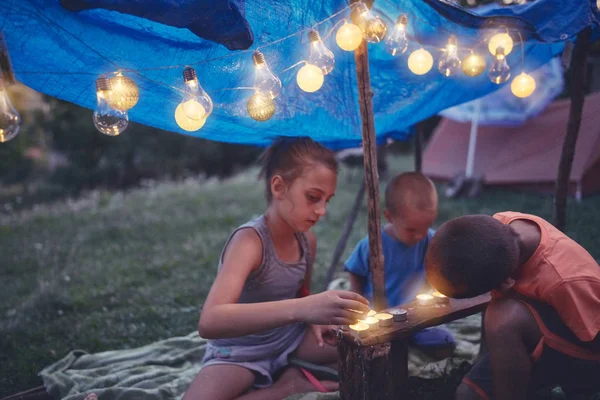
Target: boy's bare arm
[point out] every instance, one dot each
(357, 283)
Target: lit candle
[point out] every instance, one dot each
(371, 321)
(361, 328)
(384, 318)
(400, 314)
(424, 299)
(371, 313)
(440, 298)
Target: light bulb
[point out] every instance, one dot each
(320, 55)
(186, 123)
(349, 37)
(265, 82)
(473, 65)
(372, 27)
(499, 71)
(500, 40)
(449, 63)
(260, 107)
(10, 121)
(310, 78)
(196, 103)
(397, 42)
(420, 61)
(523, 85)
(108, 120)
(124, 93)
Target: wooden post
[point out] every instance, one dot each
(578, 74)
(365, 100)
(341, 245)
(418, 147)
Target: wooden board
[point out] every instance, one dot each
(419, 317)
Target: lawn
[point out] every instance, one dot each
(123, 269)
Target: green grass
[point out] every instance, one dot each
(119, 270)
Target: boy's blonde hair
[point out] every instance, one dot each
(411, 189)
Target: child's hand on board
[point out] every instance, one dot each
(333, 307)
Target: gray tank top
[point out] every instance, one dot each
(273, 280)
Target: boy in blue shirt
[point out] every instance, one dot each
(410, 209)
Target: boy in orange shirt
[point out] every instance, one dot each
(542, 324)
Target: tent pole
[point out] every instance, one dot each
(365, 100)
(419, 146)
(578, 74)
(473, 140)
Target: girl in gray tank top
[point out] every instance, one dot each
(253, 316)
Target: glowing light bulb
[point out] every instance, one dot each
(10, 121)
(420, 61)
(499, 71)
(186, 123)
(260, 107)
(397, 42)
(265, 82)
(310, 78)
(449, 63)
(348, 37)
(108, 120)
(196, 103)
(124, 93)
(523, 85)
(320, 55)
(473, 65)
(500, 40)
(372, 27)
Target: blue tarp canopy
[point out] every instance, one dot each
(61, 53)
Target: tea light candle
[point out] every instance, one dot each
(371, 321)
(440, 298)
(424, 299)
(361, 328)
(371, 313)
(400, 314)
(384, 318)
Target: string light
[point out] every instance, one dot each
(265, 82)
(196, 103)
(523, 85)
(348, 37)
(372, 27)
(108, 120)
(260, 107)
(186, 123)
(397, 42)
(320, 55)
(10, 121)
(420, 61)
(499, 71)
(449, 63)
(473, 65)
(124, 93)
(310, 78)
(500, 40)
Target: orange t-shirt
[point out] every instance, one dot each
(562, 274)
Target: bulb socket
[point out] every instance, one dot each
(314, 36)
(403, 19)
(499, 51)
(102, 84)
(189, 74)
(452, 41)
(258, 58)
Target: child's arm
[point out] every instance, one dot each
(357, 283)
(223, 317)
(357, 266)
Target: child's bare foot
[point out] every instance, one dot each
(293, 381)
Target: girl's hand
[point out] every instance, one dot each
(333, 307)
(324, 334)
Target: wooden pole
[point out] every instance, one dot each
(578, 74)
(365, 100)
(341, 245)
(419, 147)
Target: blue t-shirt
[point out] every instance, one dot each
(404, 268)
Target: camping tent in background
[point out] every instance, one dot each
(525, 156)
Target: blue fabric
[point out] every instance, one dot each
(432, 338)
(61, 53)
(403, 268)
